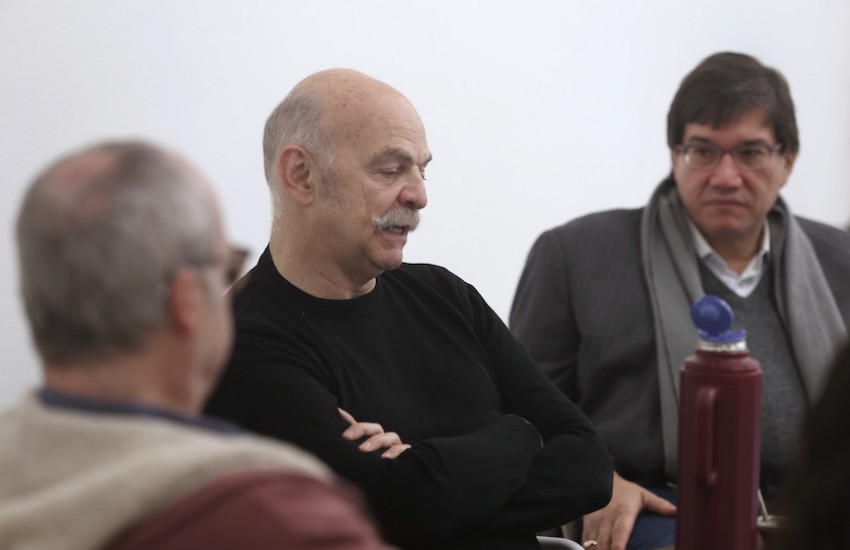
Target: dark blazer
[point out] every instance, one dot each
(582, 309)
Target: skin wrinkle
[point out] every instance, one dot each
(379, 157)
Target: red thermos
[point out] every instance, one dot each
(719, 436)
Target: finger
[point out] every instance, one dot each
(661, 506)
(362, 429)
(603, 530)
(590, 527)
(380, 441)
(348, 418)
(395, 451)
(621, 531)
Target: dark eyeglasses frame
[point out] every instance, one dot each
(735, 152)
(234, 263)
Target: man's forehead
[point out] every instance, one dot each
(382, 131)
(400, 154)
(383, 108)
(750, 125)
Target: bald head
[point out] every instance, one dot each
(99, 233)
(323, 109)
(345, 93)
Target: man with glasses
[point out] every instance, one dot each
(603, 303)
(123, 268)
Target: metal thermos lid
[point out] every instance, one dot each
(713, 318)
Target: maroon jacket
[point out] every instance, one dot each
(259, 509)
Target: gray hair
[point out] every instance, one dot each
(298, 120)
(98, 247)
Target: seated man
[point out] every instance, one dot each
(604, 301)
(123, 266)
(481, 449)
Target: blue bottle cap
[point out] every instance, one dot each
(713, 317)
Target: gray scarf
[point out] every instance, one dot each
(804, 299)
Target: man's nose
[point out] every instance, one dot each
(726, 173)
(413, 194)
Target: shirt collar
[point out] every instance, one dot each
(741, 284)
(56, 398)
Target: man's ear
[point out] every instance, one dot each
(298, 173)
(185, 300)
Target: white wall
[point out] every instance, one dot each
(536, 111)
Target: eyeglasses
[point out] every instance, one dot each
(753, 156)
(234, 263)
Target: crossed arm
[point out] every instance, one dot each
(436, 488)
(609, 526)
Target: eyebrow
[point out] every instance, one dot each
(700, 139)
(395, 154)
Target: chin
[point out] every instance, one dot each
(390, 262)
(727, 233)
(724, 225)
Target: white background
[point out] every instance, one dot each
(536, 111)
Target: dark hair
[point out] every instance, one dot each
(816, 492)
(727, 85)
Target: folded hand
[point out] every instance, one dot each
(376, 437)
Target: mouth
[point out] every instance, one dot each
(397, 229)
(726, 203)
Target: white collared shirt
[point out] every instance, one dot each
(743, 284)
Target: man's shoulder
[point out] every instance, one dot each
(590, 231)
(422, 270)
(423, 273)
(145, 439)
(258, 508)
(831, 245)
(822, 232)
(604, 220)
(424, 280)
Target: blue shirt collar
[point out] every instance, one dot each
(56, 398)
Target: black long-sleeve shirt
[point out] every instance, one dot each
(424, 356)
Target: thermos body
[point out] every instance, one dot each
(719, 450)
(719, 436)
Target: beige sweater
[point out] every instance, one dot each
(73, 480)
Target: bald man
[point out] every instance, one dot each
(398, 375)
(124, 264)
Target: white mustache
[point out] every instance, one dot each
(398, 217)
